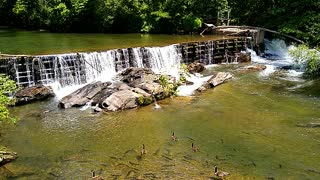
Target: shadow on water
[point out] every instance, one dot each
(247, 127)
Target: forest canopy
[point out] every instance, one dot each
(297, 18)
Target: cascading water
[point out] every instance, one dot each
(276, 56)
(67, 72)
(164, 59)
(137, 57)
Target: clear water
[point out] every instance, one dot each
(247, 127)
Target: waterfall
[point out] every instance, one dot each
(137, 57)
(67, 72)
(164, 59)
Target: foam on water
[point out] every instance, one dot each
(188, 90)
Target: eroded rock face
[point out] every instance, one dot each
(83, 95)
(30, 94)
(196, 67)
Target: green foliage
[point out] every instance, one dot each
(297, 18)
(184, 73)
(7, 86)
(142, 101)
(310, 58)
(169, 88)
(191, 23)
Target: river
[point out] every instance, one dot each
(39, 43)
(248, 127)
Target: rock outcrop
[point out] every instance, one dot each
(30, 94)
(137, 87)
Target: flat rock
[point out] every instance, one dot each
(30, 94)
(218, 79)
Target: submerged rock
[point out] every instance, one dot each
(256, 67)
(310, 125)
(30, 94)
(196, 67)
(7, 156)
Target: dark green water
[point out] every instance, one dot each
(36, 43)
(247, 127)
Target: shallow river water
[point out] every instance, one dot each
(247, 127)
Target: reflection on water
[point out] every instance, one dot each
(35, 43)
(247, 127)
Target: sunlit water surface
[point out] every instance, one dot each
(248, 127)
(36, 43)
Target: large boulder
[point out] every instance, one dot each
(151, 88)
(124, 99)
(135, 76)
(196, 67)
(83, 95)
(30, 94)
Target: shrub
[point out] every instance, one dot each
(7, 87)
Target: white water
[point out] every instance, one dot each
(276, 56)
(188, 90)
(68, 72)
(137, 57)
(164, 60)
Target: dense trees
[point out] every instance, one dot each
(297, 18)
